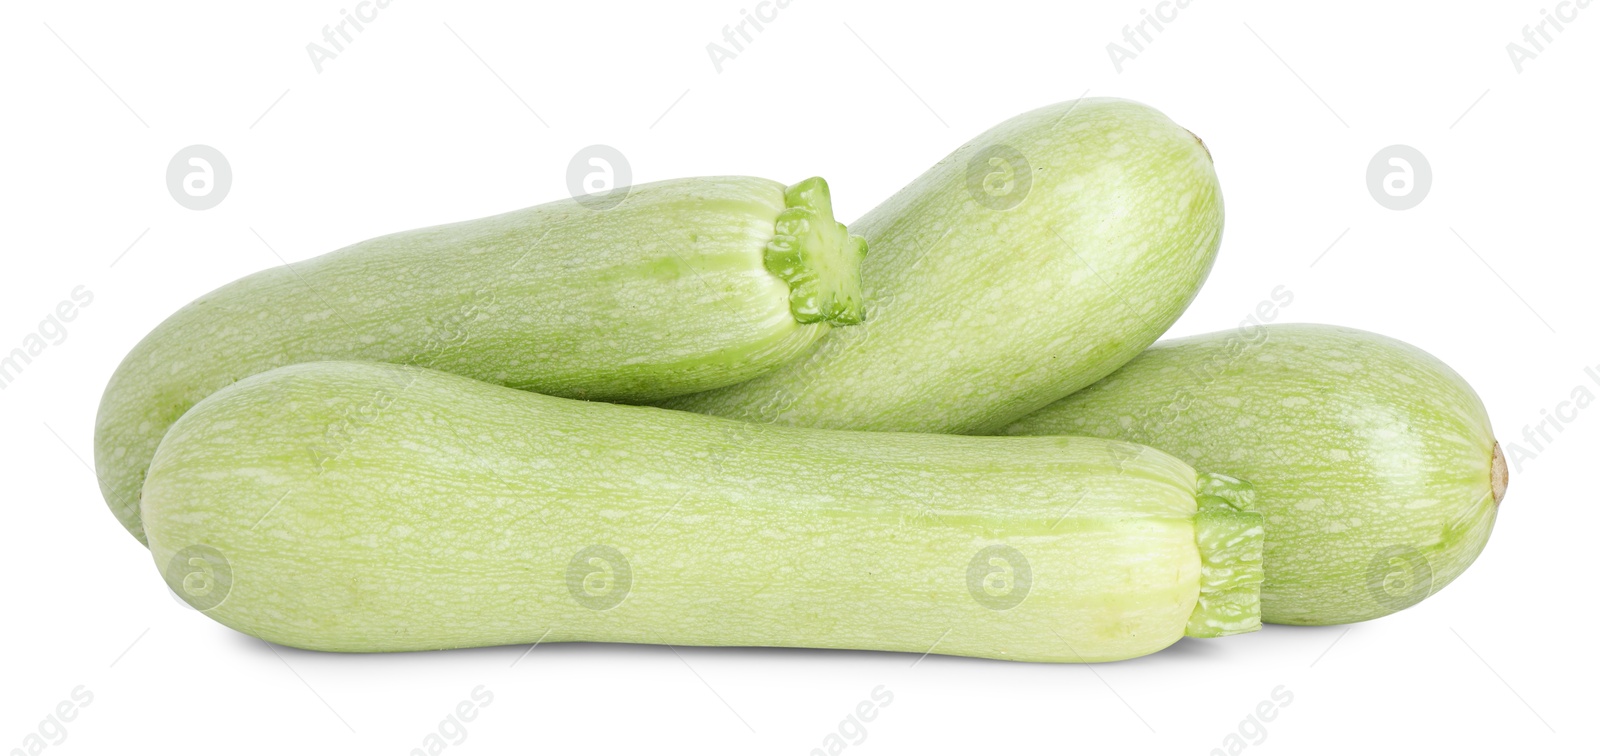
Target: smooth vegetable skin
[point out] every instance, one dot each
(1029, 263)
(1373, 462)
(684, 286)
(458, 513)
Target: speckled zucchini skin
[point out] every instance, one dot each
(684, 286)
(371, 507)
(1373, 462)
(1029, 263)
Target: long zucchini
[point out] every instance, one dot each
(1029, 263)
(687, 285)
(1373, 462)
(459, 513)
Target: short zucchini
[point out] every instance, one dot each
(686, 285)
(458, 513)
(1373, 462)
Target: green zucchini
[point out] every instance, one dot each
(1373, 462)
(460, 513)
(1031, 262)
(684, 286)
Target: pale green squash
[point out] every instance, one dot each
(684, 286)
(1373, 462)
(1029, 263)
(373, 507)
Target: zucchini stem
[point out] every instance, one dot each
(817, 256)
(1231, 540)
(1499, 476)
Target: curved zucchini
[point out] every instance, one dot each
(1373, 462)
(686, 285)
(1031, 262)
(459, 513)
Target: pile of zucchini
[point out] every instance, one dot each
(943, 429)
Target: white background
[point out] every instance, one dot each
(437, 112)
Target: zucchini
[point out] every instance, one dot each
(1373, 462)
(460, 513)
(686, 285)
(1031, 262)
